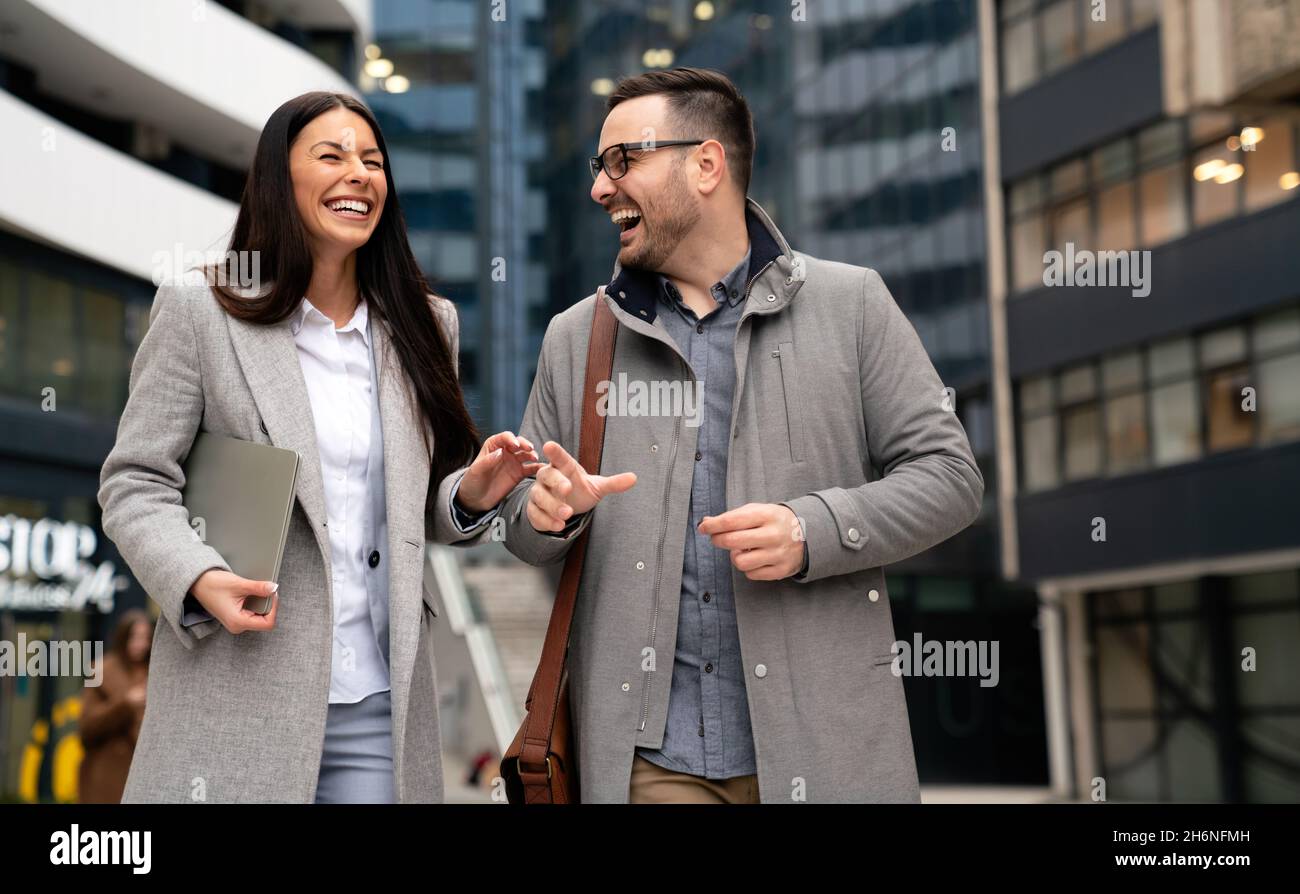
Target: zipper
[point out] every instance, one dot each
(659, 555)
(668, 483)
(731, 435)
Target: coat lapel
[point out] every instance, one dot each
(406, 481)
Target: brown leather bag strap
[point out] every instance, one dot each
(544, 695)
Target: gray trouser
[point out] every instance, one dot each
(356, 764)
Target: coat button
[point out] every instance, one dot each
(760, 670)
(874, 595)
(771, 297)
(626, 686)
(853, 534)
(374, 558)
(708, 668)
(654, 448)
(640, 566)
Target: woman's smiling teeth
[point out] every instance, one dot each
(350, 208)
(626, 218)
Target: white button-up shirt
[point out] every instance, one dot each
(336, 366)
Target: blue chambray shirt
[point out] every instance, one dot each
(708, 731)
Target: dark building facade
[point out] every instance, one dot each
(1155, 409)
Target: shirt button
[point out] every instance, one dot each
(708, 668)
(654, 448)
(707, 597)
(760, 670)
(374, 558)
(698, 456)
(874, 595)
(700, 328)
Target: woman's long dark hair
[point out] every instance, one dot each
(387, 275)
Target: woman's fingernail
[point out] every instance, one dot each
(275, 588)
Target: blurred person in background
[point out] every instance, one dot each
(342, 353)
(111, 712)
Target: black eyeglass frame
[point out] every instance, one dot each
(597, 162)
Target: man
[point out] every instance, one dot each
(732, 636)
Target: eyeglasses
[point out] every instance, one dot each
(613, 161)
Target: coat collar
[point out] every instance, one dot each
(635, 291)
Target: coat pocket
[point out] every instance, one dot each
(793, 402)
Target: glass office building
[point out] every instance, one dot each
(452, 84)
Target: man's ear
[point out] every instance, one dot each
(712, 162)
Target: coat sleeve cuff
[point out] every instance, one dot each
(191, 626)
(531, 545)
(834, 533)
(464, 521)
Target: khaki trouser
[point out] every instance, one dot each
(652, 784)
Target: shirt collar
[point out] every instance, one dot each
(359, 322)
(731, 287)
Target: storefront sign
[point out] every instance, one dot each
(46, 565)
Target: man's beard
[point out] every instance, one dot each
(674, 214)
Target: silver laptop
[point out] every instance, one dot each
(240, 499)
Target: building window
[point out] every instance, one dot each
(1061, 44)
(1165, 403)
(1271, 168)
(1172, 705)
(65, 332)
(1164, 204)
(1151, 187)
(1277, 343)
(1038, 443)
(1019, 55)
(1040, 37)
(1127, 444)
(1226, 376)
(1097, 35)
(1215, 189)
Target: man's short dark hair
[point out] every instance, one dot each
(703, 104)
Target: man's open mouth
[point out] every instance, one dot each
(626, 218)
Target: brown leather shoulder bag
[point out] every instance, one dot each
(540, 766)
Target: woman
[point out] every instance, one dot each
(345, 357)
(111, 711)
